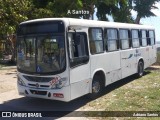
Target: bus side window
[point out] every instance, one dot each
(96, 40)
(135, 39)
(124, 38)
(151, 37)
(78, 52)
(111, 39)
(143, 38)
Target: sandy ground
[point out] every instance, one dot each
(8, 84)
(8, 80)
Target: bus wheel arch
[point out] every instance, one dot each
(97, 84)
(140, 68)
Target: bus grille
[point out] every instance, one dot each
(43, 86)
(37, 79)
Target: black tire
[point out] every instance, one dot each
(140, 69)
(97, 87)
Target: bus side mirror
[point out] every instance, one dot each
(77, 39)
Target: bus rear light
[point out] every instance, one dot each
(60, 95)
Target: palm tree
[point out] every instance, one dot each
(143, 8)
(118, 9)
(122, 12)
(105, 7)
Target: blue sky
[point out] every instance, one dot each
(153, 21)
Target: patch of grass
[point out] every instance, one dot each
(141, 94)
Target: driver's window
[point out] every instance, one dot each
(78, 50)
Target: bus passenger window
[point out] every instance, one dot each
(96, 40)
(151, 37)
(124, 38)
(78, 51)
(144, 38)
(111, 39)
(135, 39)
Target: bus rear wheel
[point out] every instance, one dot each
(140, 69)
(97, 86)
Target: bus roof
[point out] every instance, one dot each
(93, 23)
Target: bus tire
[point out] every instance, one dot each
(97, 87)
(140, 69)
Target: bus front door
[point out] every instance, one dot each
(79, 64)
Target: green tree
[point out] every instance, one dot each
(118, 9)
(122, 12)
(61, 8)
(12, 12)
(104, 7)
(40, 10)
(56, 8)
(143, 8)
(89, 5)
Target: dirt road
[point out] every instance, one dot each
(8, 83)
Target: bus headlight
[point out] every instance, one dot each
(21, 82)
(59, 83)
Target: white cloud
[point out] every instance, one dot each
(157, 11)
(134, 13)
(158, 5)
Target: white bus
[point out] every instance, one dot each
(65, 58)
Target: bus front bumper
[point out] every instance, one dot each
(62, 94)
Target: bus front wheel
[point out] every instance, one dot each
(97, 86)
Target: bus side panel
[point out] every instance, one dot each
(128, 62)
(80, 88)
(110, 62)
(144, 54)
(152, 54)
(113, 76)
(80, 80)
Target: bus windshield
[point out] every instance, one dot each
(41, 53)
